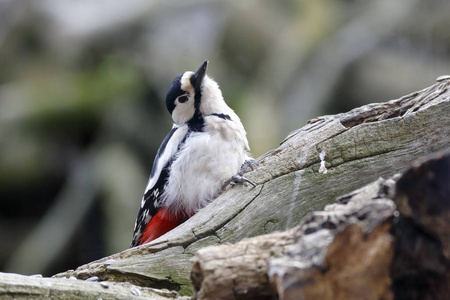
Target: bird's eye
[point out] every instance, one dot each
(183, 98)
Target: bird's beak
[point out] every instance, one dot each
(199, 75)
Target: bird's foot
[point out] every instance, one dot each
(248, 164)
(239, 178)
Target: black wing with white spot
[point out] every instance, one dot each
(149, 206)
(151, 201)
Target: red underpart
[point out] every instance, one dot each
(164, 221)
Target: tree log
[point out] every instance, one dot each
(14, 286)
(358, 248)
(330, 156)
(325, 254)
(342, 253)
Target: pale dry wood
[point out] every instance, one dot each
(358, 147)
(238, 270)
(14, 286)
(324, 256)
(364, 248)
(360, 247)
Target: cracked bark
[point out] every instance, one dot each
(361, 145)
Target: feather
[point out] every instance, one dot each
(151, 201)
(163, 221)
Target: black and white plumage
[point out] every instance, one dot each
(206, 146)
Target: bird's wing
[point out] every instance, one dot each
(151, 203)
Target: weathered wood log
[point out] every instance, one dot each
(342, 253)
(238, 271)
(14, 286)
(326, 254)
(330, 156)
(361, 247)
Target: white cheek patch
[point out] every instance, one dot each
(183, 112)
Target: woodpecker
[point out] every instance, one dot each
(206, 150)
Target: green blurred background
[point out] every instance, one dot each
(83, 83)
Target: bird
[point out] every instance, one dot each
(205, 151)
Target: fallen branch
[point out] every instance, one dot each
(14, 286)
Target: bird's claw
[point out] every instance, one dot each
(248, 164)
(239, 178)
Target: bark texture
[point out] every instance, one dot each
(360, 247)
(343, 252)
(421, 268)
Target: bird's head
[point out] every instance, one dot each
(193, 95)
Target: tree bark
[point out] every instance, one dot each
(343, 252)
(330, 156)
(360, 247)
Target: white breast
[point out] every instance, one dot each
(203, 163)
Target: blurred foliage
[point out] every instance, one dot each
(82, 88)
